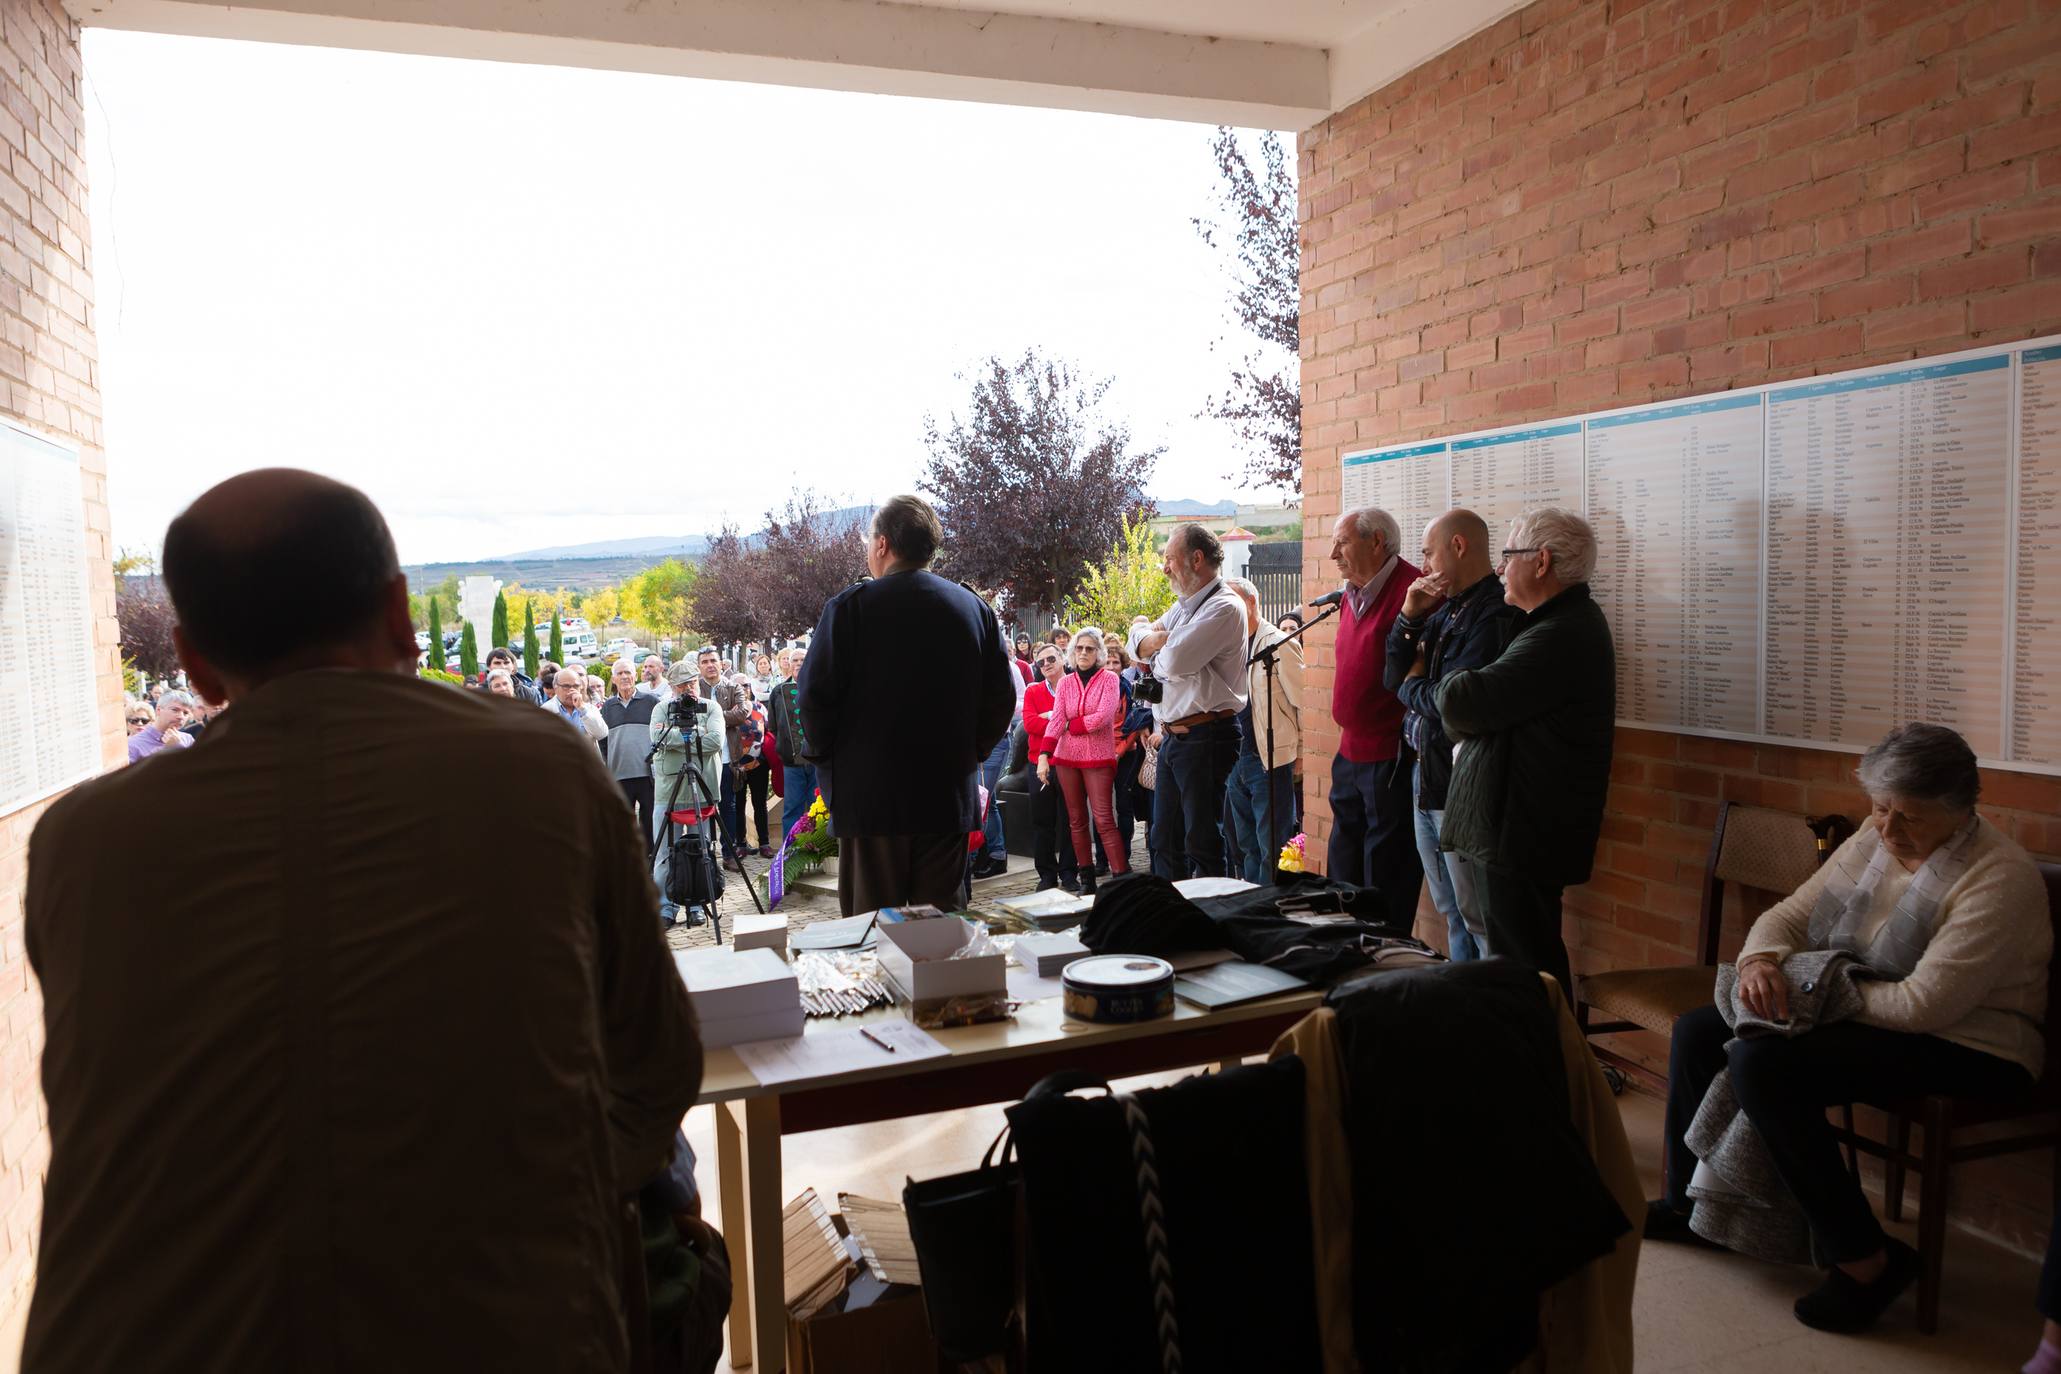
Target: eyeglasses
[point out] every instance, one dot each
(1509, 554)
(1047, 660)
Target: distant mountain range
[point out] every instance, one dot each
(604, 562)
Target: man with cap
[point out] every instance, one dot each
(686, 733)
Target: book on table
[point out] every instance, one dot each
(1230, 983)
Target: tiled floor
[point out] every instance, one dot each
(1696, 1312)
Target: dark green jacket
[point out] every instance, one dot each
(1536, 728)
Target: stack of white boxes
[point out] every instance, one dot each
(741, 994)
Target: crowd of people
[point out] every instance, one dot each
(1473, 704)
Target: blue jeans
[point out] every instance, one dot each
(1257, 796)
(1452, 891)
(800, 782)
(990, 774)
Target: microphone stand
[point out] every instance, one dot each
(1267, 656)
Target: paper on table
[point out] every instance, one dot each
(838, 1051)
(1025, 986)
(1191, 888)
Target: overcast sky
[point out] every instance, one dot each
(527, 305)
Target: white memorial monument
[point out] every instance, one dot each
(476, 606)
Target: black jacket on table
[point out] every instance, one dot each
(1536, 729)
(1464, 631)
(906, 689)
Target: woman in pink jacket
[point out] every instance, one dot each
(1081, 739)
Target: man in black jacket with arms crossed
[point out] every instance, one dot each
(1535, 730)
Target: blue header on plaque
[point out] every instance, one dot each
(2042, 355)
(1519, 436)
(1680, 412)
(1901, 377)
(1391, 454)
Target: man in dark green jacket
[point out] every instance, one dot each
(1534, 732)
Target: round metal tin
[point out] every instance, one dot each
(1118, 988)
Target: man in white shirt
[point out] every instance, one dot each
(1197, 653)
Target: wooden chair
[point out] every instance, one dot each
(1753, 846)
(2031, 1123)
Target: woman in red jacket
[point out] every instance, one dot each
(1080, 738)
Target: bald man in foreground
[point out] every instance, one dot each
(1453, 617)
(316, 1103)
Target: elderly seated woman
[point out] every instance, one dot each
(1945, 920)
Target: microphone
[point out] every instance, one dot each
(1329, 598)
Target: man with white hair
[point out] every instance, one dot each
(1535, 729)
(1373, 836)
(163, 731)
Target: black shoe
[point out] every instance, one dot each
(1087, 887)
(1846, 1305)
(1072, 885)
(1664, 1223)
(1045, 884)
(689, 918)
(1102, 870)
(985, 868)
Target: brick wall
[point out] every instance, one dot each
(49, 379)
(1604, 202)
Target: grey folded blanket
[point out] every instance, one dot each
(1740, 1201)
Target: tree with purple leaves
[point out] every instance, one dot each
(1033, 484)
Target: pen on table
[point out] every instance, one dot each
(876, 1039)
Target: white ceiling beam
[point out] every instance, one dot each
(1403, 38)
(856, 45)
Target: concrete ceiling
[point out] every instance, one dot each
(1282, 64)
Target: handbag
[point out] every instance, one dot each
(968, 1232)
(1148, 770)
(966, 1229)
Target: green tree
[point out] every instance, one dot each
(468, 653)
(658, 599)
(529, 640)
(1129, 582)
(557, 639)
(500, 620)
(436, 632)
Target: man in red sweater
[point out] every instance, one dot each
(1372, 837)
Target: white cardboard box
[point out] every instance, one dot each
(759, 932)
(915, 956)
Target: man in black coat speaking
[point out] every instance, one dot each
(898, 747)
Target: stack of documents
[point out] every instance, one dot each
(741, 995)
(1053, 909)
(1046, 955)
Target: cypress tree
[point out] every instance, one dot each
(436, 633)
(557, 641)
(529, 641)
(500, 621)
(468, 653)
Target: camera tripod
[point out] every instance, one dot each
(709, 881)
